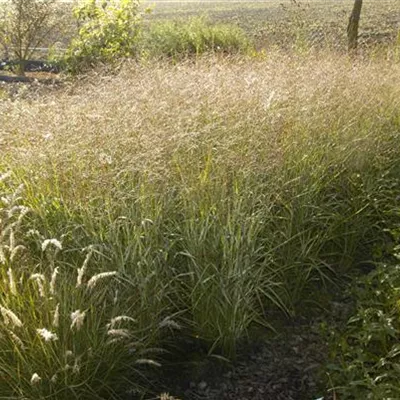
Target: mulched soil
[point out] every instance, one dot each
(286, 367)
(289, 366)
(30, 77)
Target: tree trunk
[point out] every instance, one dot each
(352, 28)
(20, 67)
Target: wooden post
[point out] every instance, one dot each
(352, 28)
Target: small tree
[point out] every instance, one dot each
(25, 26)
(352, 28)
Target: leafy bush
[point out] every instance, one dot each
(109, 30)
(367, 354)
(179, 39)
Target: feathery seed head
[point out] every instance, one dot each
(35, 379)
(120, 318)
(10, 318)
(5, 176)
(16, 250)
(12, 239)
(40, 279)
(54, 242)
(53, 280)
(83, 269)
(148, 362)
(96, 278)
(105, 159)
(47, 335)
(77, 318)
(117, 339)
(69, 353)
(16, 339)
(147, 221)
(33, 232)
(169, 323)
(2, 255)
(56, 318)
(123, 333)
(22, 212)
(19, 190)
(5, 200)
(11, 281)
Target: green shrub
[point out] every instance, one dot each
(367, 355)
(109, 30)
(179, 39)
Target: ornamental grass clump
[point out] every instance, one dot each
(55, 335)
(224, 205)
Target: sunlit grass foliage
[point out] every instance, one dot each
(176, 203)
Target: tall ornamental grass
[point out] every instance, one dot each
(214, 196)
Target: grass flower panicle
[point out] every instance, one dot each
(93, 281)
(169, 323)
(6, 175)
(40, 280)
(15, 251)
(16, 339)
(54, 242)
(35, 379)
(77, 319)
(11, 282)
(56, 316)
(82, 270)
(121, 318)
(123, 333)
(69, 354)
(10, 318)
(53, 280)
(47, 335)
